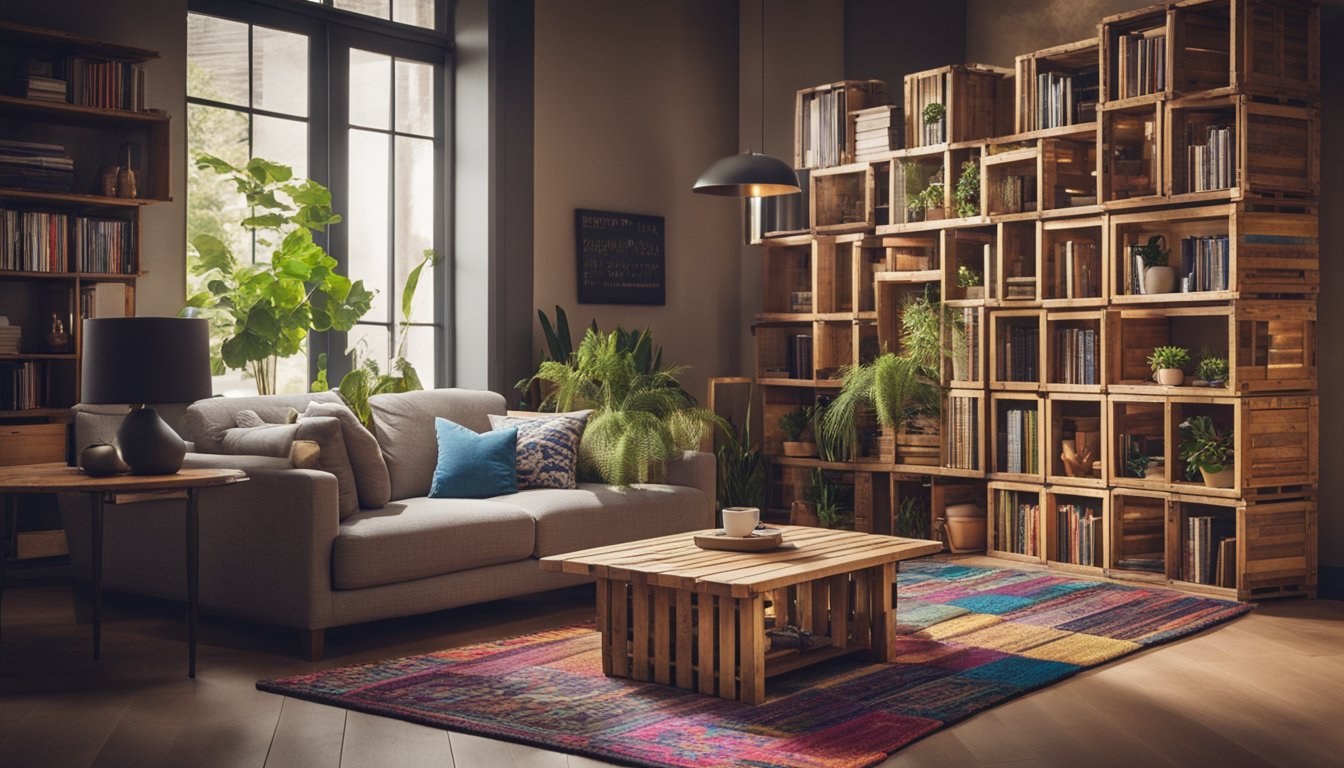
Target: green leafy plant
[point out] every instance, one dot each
(1136, 463)
(832, 501)
(641, 418)
(1152, 252)
(366, 378)
(264, 311)
(795, 423)
(911, 518)
(934, 112)
(1211, 367)
(928, 198)
(1169, 357)
(1204, 446)
(560, 348)
(742, 467)
(968, 277)
(966, 194)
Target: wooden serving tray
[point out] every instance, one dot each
(760, 540)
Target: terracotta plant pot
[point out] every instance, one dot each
(800, 450)
(1170, 377)
(1159, 279)
(1225, 479)
(975, 292)
(966, 530)
(804, 513)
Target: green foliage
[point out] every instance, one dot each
(1204, 446)
(559, 344)
(1169, 357)
(833, 500)
(267, 309)
(1152, 252)
(1211, 367)
(967, 277)
(929, 198)
(648, 358)
(1136, 463)
(934, 113)
(641, 416)
(966, 195)
(794, 423)
(911, 519)
(742, 467)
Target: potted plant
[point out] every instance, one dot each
(934, 208)
(742, 466)
(1211, 370)
(933, 115)
(831, 501)
(797, 425)
(1137, 463)
(1167, 363)
(971, 282)
(1207, 450)
(966, 194)
(1158, 276)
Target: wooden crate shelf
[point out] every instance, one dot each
(1072, 70)
(965, 338)
(1077, 521)
(1138, 428)
(908, 174)
(1123, 39)
(1078, 421)
(1011, 181)
(1017, 275)
(1265, 48)
(894, 292)
(842, 199)
(1263, 149)
(972, 249)
(1129, 156)
(1075, 351)
(1274, 553)
(963, 444)
(1139, 534)
(834, 283)
(821, 131)
(1073, 262)
(775, 403)
(776, 353)
(786, 271)
(978, 100)
(1016, 358)
(1017, 436)
(1016, 524)
(1274, 440)
(1268, 254)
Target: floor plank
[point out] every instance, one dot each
(308, 735)
(381, 742)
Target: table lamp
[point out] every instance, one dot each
(145, 361)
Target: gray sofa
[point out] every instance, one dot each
(275, 550)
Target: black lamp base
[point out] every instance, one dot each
(148, 445)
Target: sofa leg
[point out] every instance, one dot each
(310, 643)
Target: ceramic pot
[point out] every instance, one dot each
(1224, 479)
(800, 450)
(1159, 279)
(966, 530)
(1170, 377)
(975, 292)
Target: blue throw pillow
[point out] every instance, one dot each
(474, 466)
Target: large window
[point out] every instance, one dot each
(354, 105)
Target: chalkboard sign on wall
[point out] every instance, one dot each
(621, 258)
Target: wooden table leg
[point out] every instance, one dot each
(884, 611)
(840, 628)
(684, 640)
(662, 635)
(751, 648)
(705, 640)
(96, 530)
(193, 578)
(727, 648)
(604, 622)
(639, 620)
(620, 627)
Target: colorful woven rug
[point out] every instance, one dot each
(971, 638)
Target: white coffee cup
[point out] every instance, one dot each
(740, 521)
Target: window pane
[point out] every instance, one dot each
(417, 12)
(214, 205)
(415, 97)
(291, 375)
(367, 217)
(216, 59)
(419, 351)
(280, 71)
(414, 220)
(367, 7)
(281, 141)
(370, 342)
(370, 82)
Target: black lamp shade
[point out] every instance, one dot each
(146, 360)
(747, 175)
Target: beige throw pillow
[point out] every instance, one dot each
(366, 458)
(277, 440)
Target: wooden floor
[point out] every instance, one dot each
(1265, 690)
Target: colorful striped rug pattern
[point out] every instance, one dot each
(971, 638)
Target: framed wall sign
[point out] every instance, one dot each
(621, 259)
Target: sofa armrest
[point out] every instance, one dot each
(699, 470)
(235, 461)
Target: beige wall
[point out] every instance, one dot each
(633, 100)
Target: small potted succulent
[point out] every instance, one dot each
(1167, 364)
(1211, 370)
(1158, 275)
(971, 282)
(1207, 451)
(797, 429)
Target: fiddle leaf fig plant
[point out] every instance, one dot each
(264, 310)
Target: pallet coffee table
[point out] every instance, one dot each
(676, 614)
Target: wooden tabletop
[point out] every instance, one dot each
(674, 561)
(58, 478)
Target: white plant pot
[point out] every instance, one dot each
(1159, 279)
(1224, 479)
(1170, 377)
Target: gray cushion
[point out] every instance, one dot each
(403, 423)
(276, 440)
(205, 420)
(366, 458)
(597, 515)
(265, 440)
(420, 538)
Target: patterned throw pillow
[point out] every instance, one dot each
(548, 448)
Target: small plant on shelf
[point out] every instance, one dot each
(971, 282)
(1207, 451)
(1167, 363)
(831, 501)
(1158, 276)
(1137, 462)
(1211, 369)
(796, 425)
(934, 113)
(966, 194)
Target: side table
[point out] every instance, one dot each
(58, 478)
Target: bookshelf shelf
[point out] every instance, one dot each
(1077, 440)
(1017, 281)
(1015, 521)
(1129, 157)
(82, 201)
(1016, 358)
(1139, 534)
(1017, 437)
(1073, 262)
(1076, 524)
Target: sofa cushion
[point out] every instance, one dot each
(548, 448)
(420, 538)
(595, 515)
(366, 458)
(276, 440)
(403, 423)
(205, 420)
(472, 465)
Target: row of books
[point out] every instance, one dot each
(800, 356)
(1142, 63)
(1077, 270)
(1075, 356)
(35, 166)
(1211, 165)
(20, 385)
(1016, 524)
(83, 81)
(963, 439)
(39, 241)
(823, 122)
(1065, 99)
(1211, 551)
(1207, 260)
(876, 131)
(1020, 441)
(1015, 193)
(932, 89)
(1021, 351)
(1078, 535)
